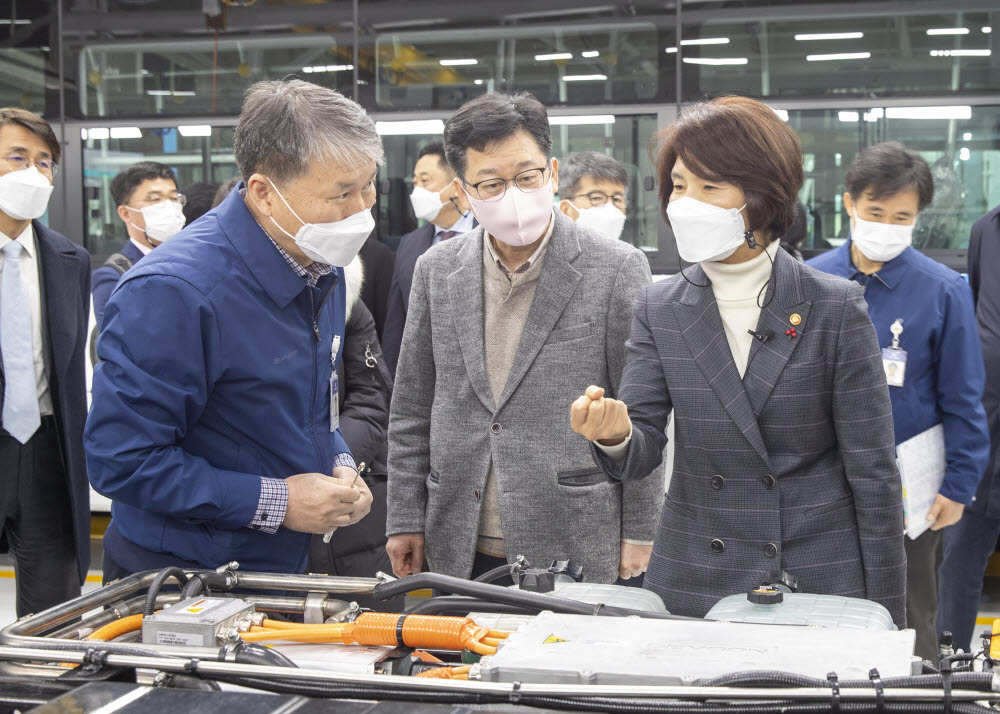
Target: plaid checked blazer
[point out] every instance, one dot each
(791, 468)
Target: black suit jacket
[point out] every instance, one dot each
(64, 282)
(984, 261)
(378, 260)
(411, 246)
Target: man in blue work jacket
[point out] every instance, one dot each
(924, 319)
(214, 425)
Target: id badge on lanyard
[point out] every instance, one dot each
(334, 385)
(894, 358)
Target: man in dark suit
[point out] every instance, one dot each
(435, 200)
(969, 543)
(150, 208)
(44, 295)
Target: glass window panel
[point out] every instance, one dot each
(964, 155)
(576, 64)
(188, 77)
(22, 80)
(891, 56)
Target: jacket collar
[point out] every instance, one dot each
(263, 260)
(890, 274)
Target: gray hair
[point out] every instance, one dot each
(589, 163)
(285, 126)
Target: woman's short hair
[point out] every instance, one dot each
(740, 141)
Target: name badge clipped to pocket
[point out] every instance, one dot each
(894, 358)
(334, 385)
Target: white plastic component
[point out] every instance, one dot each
(806, 609)
(577, 649)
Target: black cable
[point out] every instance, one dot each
(490, 575)
(770, 281)
(976, 681)
(154, 587)
(509, 596)
(195, 586)
(250, 653)
(458, 605)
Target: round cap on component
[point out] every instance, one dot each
(765, 595)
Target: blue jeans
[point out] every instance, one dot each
(968, 546)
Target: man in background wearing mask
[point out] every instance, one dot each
(435, 200)
(926, 326)
(151, 209)
(44, 293)
(594, 192)
(215, 427)
(504, 323)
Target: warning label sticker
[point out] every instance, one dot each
(552, 639)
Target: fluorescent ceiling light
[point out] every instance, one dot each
(782, 114)
(584, 77)
(706, 41)
(967, 136)
(125, 132)
(590, 54)
(554, 56)
(987, 30)
(478, 81)
(716, 60)
(457, 62)
(169, 93)
(671, 50)
(328, 68)
(960, 53)
(957, 112)
(97, 133)
(830, 36)
(948, 31)
(195, 130)
(963, 153)
(873, 115)
(23, 21)
(582, 119)
(848, 116)
(409, 128)
(838, 56)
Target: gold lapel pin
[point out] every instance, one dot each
(795, 319)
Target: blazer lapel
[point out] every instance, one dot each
(786, 310)
(56, 272)
(698, 317)
(556, 287)
(465, 289)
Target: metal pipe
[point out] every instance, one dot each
(305, 582)
(204, 667)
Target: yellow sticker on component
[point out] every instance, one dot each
(995, 641)
(552, 639)
(195, 607)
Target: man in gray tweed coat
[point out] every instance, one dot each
(505, 322)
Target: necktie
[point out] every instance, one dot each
(20, 416)
(445, 235)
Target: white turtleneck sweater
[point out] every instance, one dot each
(736, 287)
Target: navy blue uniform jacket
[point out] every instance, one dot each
(215, 368)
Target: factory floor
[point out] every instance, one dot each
(989, 608)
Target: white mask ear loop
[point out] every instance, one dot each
(286, 206)
(145, 235)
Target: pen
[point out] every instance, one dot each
(361, 467)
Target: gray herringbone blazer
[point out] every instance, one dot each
(445, 428)
(791, 468)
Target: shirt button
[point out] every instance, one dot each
(477, 494)
(768, 481)
(718, 482)
(496, 428)
(718, 546)
(770, 550)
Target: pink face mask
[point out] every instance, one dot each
(517, 219)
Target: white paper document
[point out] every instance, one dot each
(922, 465)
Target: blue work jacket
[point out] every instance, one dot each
(944, 375)
(215, 371)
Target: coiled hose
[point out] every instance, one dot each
(154, 587)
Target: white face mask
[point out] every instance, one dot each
(24, 194)
(705, 233)
(605, 220)
(880, 242)
(334, 243)
(426, 204)
(164, 220)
